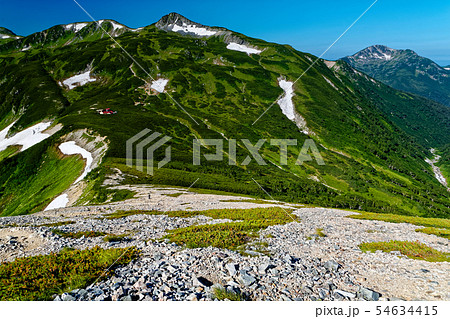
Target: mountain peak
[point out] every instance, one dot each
(404, 70)
(177, 23)
(175, 18)
(376, 52)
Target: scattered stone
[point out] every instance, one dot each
(368, 294)
(202, 281)
(232, 269)
(246, 279)
(331, 265)
(345, 293)
(67, 297)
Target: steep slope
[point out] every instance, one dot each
(225, 81)
(427, 121)
(404, 70)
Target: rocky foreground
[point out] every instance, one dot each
(294, 263)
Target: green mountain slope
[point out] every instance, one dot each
(373, 160)
(404, 70)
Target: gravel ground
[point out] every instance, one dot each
(295, 265)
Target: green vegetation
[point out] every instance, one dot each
(78, 234)
(434, 226)
(39, 277)
(374, 138)
(233, 235)
(30, 180)
(115, 238)
(441, 232)
(246, 223)
(419, 221)
(174, 194)
(223, 294)
(69, 222)
(320, 233)
(122, 214)
(401, 72)
(254, 201)
(414, 250)
(96, 193)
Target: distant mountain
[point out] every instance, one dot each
(374, 139)
(65, 34)
(404, 70)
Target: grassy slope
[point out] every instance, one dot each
(28, 186)
(39, 277)
(235, 95)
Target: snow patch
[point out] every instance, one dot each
(70, 148)
(203, 32)
(59, 202)
(116, 26)
(79, 80)
(436, 170)
(242, 48)
(287, 106)
(330, 83)
(159, 85)
(26, 138)
(4, 36)
(448, 69)
(285, 103)
(77, 26)
(381, 56)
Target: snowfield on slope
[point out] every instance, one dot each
(436, 170)
(242, 48)
(159, 85)
(78, 26)
(59, 202)
(26, 138)
(285, 103)
(203, 32)
(79, 80)
(70, 148)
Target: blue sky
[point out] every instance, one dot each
(309, 26)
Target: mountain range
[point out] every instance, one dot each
(404, 70)
(191, 81)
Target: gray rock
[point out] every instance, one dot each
(345, 293)
(331, 265)
(368, 294)
(202, 281)
(232, 269)
(67, 297)
(246, 279)
(82, 292)
(262, 268)
(126, 298)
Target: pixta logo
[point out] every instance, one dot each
(142, 147)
